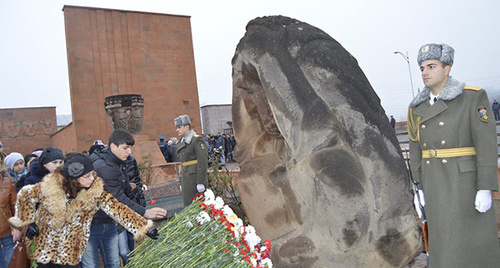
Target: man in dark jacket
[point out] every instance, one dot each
(192, 153)
(163, 146)
(108, 163)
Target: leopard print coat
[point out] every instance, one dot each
(64, 223)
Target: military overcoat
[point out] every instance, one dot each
(193, 155)
(459, 235)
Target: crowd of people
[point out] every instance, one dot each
(220, 146)
(95, 198)
(75, 205)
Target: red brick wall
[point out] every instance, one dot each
(65, 139)
(113, 52)
(25, 129)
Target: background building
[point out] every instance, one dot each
(217, 119)
(25, 129)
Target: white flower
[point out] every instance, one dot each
(209, 197)
(219, 203)
(238, 223)
(267, 262)
(251, 237)
(144, 187)
(227, 211)
(189, 224)
(203, 217)
(250, 229)
(238, 228)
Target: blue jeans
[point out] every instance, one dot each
(6, 250)
(103, 237)
(125, 245)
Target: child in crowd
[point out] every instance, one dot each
(49, 161)
(15, 163)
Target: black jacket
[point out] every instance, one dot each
(134, 176)
(37, 173)
(111, 169)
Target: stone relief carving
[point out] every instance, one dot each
(125, 112)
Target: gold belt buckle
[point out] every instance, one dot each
(433, 153)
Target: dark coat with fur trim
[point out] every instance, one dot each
(64, 224)
(459, 235)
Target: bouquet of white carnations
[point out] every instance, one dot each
(207, 233)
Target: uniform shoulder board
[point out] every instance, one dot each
(472, 88)
(196, 135)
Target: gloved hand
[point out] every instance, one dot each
(153, 233)
(422, 202)
(200, 188)
(32, 231)
(483, 200)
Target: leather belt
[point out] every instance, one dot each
(188, 163)
(452, 152)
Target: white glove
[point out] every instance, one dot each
(483, 200)
(422, 202)
(200, 188)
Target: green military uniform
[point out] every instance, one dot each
(193, 155)
(453, 153)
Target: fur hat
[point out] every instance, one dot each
(12, 158)
(441, 52)
(77, 166)
(182, 120)
(50, 154)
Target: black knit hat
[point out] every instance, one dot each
(50, 154)
(77, 166)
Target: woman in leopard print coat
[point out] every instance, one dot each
(67, 203)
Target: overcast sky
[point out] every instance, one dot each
(34, 72)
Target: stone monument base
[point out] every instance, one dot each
(146, 150)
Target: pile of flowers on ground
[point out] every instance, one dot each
(207, 233)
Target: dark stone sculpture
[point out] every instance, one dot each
(125, 112)
(322, 173)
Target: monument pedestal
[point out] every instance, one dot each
(146, 151)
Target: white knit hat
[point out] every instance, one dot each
(12, 158)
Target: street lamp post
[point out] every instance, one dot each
(407, 59)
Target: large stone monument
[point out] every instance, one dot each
(322, 173)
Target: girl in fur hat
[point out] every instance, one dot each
(60, 226)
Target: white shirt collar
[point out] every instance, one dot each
(432, 96)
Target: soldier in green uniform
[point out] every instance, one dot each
(453, 154)
(193, 155)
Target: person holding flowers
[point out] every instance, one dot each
(109, 163)
(58, 212)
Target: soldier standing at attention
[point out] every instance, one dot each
(192, 153)
(453, 154)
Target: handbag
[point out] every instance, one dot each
(19, 257)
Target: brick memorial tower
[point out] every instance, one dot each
(116, 52)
